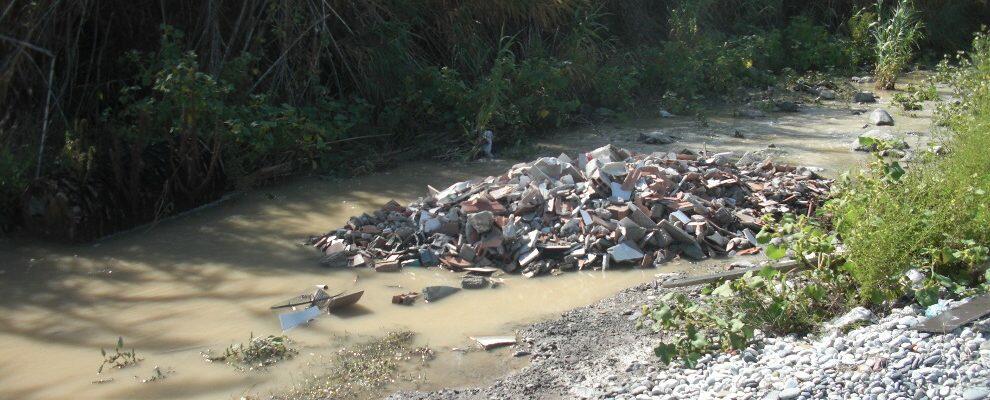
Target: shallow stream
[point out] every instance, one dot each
(206, 280)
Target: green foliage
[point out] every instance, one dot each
(811, 47)
(861, 45)
(693, 329)
(912, 101)
(13, 181)
(895, 37)
(932, 216)
(770, 301)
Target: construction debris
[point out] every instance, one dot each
(606, 208)
(405, 298)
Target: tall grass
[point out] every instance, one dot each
(896, 34)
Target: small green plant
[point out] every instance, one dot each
(693, 329)
(912, 101)
(120, 358)
(259, 352)
(895, 36)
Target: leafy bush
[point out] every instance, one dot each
(933, 217)
(861, 48)
(769, 301)
(811, 47)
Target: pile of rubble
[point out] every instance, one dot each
(605, 208)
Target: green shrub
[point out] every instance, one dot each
(13, 181)
(811, 47)
(861, 49)
(933, 217)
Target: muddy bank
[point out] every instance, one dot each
(570, 354)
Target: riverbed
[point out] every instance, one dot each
(205, 280)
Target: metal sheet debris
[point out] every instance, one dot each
(290, 320)
(957, 316)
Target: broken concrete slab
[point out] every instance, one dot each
(625, 252)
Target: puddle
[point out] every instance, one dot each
(206, 280)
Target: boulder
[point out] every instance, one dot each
(881, 117)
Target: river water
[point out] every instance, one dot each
(206, 279)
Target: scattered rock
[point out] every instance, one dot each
(474, 282)
(786, 106)
(881, 117)
(864, 97)
(856, 315)
(656, 137)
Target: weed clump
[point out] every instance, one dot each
(258, 353)
(361, 371)
(120, 358)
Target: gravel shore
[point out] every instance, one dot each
(596, 352)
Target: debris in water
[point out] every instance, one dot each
(321, 300)
(608, 207)
(405, 298)
(290, 320)
(491, 342)
(434, 293)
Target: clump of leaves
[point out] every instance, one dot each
(361, 371)
(157, 375)
(912, 101)
(259, 352)
(120, 358)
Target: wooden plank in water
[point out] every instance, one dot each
(789, 265)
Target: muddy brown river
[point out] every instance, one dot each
(205, 280)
